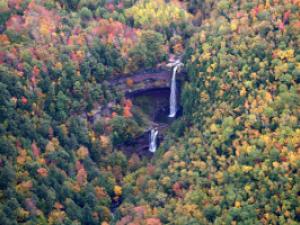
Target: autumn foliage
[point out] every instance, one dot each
(73, 149)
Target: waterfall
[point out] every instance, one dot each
(173, 96)
(153, 140)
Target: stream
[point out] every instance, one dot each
(162, 108)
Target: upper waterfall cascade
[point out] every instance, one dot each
(173, 94)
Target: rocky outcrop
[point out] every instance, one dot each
(143, 81)
(140, 145)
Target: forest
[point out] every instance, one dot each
(86, 136)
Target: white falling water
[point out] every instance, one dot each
(173, 96)
(153, 140)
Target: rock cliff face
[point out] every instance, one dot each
(144, 81)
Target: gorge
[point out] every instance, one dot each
(156, 105)
(155, 93)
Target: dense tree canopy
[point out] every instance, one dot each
(233, 157)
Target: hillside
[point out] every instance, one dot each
(72, 145)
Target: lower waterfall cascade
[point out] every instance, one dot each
(153, 140)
